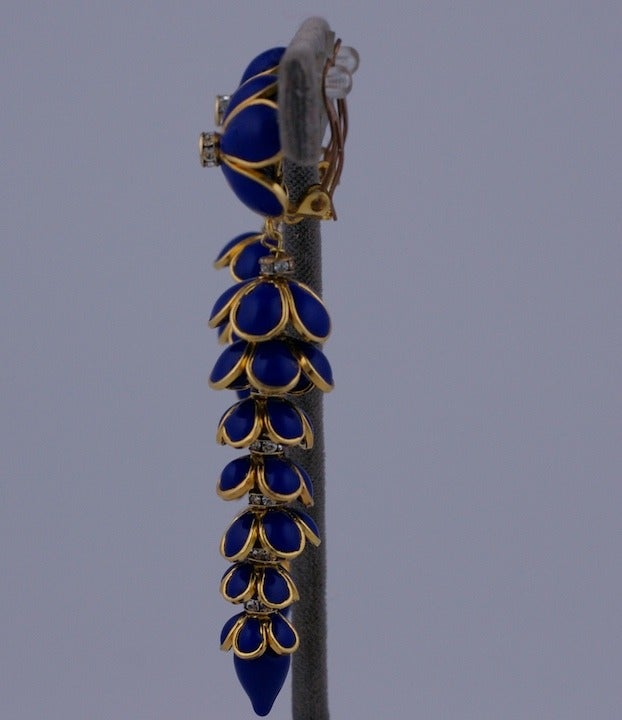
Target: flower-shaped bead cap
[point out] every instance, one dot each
(272, 585)
(283, 365)
(274, 476)
(260, 309)
(249, 635)
(271, 418)
(242, 254)
(281, 532)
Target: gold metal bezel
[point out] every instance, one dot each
(295, 319)
(276, 646)
(278, 328)
(248, 544)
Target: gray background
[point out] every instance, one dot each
(474, 450)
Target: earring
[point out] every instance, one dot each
(271, 325)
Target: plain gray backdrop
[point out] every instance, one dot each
(474, 529)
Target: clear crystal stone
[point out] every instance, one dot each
(254, 606)
(271, 265)
(348, 58)
(220, 108)
(209, 149)
(260, 555)
(260, 500)
(338, 82)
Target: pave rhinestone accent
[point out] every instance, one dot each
(271, 265)
(260, 500)
(266, 447)
(254, 606)
(260, 555)
(209, 149)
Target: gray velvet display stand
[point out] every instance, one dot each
(302, 124)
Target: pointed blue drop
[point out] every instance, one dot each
(275, 588)
(236, 534)
(241, 575)
(249, 639)
(283, 632)
(234, 473)
(262, 678)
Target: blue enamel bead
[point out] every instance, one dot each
(283, 632)
(234, 473)
(275, 589)
(240, 420)
(246, 264)
(267, 60)
(232, 243)
(318, 361)
(273, 364)
(240, 578)
(252, 135)
(282, 532)
(222, 302)
(262, 678)
(253, 86)
(260, 311)
(253, 194)
(226, 629)
(284, 419)
(309, 522)
(280, 476)
(228, 360)
(250, 639)
(311, 312)
(237, 535)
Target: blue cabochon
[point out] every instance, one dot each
(232, 243)
(306, 479)
(310, 311)
(234, 473)
(318, 361)
(285, 418)
(250, 638)
(282, 532)
(254, 195)
(251, 87)
(228, 360)
(283, 632)
(246, 264)
(308, 521)
(236, 535)
(280, 475)
(267, 60)
(252, 135)
(240, 577)
(273, 364)
(239, 420)
(262, 678)
(226, 629)
(259, 311)
(275, 588)
(223, 300)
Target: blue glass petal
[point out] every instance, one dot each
(249, 88)
(240, 577)
(223, 300)
(282, 532)
(306, 479)
(273, 364)
(226, 363)
(246, 264)
(260, 311)
(310, 311)
(232, 243)
(275, 588)
(253, 194)
(228, 625)
(284, 419)
(280, 476)
(252, 135)
(243, 394)
(309, 522)
(283, 632)
(262, 678)
(250, 638)
(237, 535)
(266, 60)
(234, 473)
(239, 420)
(318, 361)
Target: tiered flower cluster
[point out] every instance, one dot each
(272, 324)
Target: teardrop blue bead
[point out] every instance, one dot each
(262, 678)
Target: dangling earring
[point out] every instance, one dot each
(272, 325)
